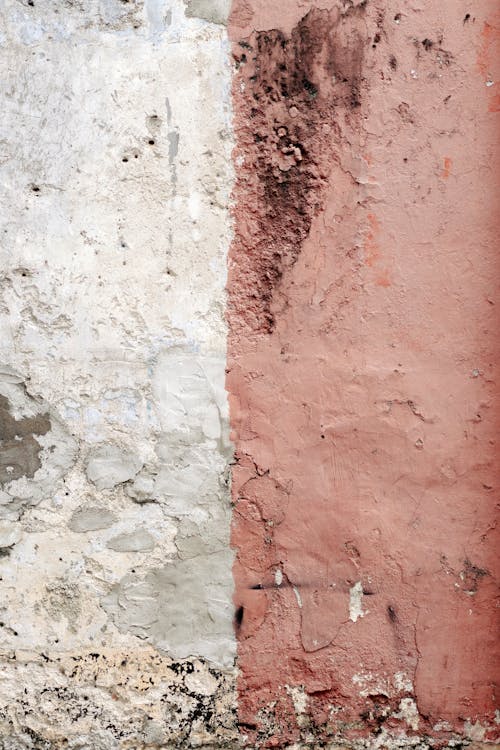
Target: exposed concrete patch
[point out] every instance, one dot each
(19, 449)
(408, 712)
(215, 11)
(182, 608)
(109, 465)
(135, 541)
(356, 602)
(91, 519)
(35, 448)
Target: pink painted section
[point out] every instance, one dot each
(363, 368)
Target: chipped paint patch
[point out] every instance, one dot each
(356, 602)
(402, 683)
(408, 712)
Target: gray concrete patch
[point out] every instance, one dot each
(215, 11)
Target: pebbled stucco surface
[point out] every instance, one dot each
(115, 567)
(363, 371)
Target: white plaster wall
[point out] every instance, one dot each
(115, 176)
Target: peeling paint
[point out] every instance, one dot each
(356, 602)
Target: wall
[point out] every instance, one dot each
(276, 219)
(363, 358)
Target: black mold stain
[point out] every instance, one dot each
(471, 576)
(294, 88)
(19, 450)
(238, 617)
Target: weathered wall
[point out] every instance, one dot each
(115, 142)
(356, 340)
(363, 356)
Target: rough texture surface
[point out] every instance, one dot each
(115, 565)
(360, 370)
(363, 358)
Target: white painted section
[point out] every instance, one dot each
(115, 178)
(356, 602)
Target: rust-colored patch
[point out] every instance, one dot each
(383, 279)
(372, 251)
(490, 38)
(494, 105)
(447, 162)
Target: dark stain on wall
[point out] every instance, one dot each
(19, 450)
(293, 89)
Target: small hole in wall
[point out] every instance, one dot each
(124, 158)
(397, 17)
(151, 142)
(35, 188)
(466, 17)
(322, 437)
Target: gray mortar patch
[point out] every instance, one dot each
(109, 465)
(183, 608)
(91, 519)
(215, 11)
(135, 541)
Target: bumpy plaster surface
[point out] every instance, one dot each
(115, 141)
(362, 369)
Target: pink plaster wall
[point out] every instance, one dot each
(363, 358)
